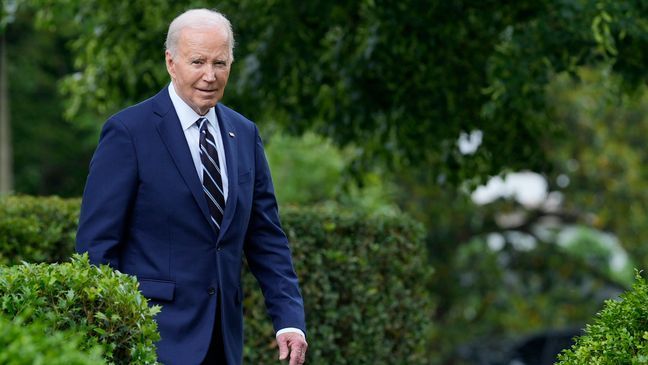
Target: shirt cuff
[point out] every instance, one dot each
(291, 329)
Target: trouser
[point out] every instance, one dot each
(216, 353)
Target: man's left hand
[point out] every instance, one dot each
(293, 344)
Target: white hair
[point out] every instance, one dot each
(197, 18)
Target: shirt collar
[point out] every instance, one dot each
(188, 116)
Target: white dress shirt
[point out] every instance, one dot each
(188, 118)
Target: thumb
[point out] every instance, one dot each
(283, 347)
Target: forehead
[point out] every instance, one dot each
(208, 39)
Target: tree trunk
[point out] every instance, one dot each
(6, 160)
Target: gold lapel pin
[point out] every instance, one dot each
(231, 134)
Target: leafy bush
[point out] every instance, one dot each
(364, 280)
(292, 160)
(619, 335)
(28, 344)
(103, 305)
(37, 229)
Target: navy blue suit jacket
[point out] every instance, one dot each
(144, 213)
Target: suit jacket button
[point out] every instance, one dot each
(211, 291)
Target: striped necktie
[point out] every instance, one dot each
(212, 182)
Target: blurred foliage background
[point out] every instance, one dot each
(512, 130)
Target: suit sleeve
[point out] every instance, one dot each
(268, 253)
(108, 196)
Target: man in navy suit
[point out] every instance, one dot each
(148, 209)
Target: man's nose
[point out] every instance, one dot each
(210, 75)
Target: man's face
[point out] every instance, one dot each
(201, 67)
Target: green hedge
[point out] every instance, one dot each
(619, 334)
(37, 229)
(364, 280)
(25, 344)
(101, 304)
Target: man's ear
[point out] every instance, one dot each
(170, 65)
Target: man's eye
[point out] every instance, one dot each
(196, 62)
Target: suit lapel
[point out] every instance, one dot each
(170, 130)
(230, 144)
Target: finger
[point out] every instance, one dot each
(297, 354)
(283, 348)
(302, 358)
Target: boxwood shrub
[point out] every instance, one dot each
(618, 335)
(99, 303)
(34, 343)
(364, 280)
(37, 229)
(365, 286)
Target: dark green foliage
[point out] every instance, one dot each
(503, 294)
(402, 79)
(37, 229)
(25, 344)
(364, 282)
(50, 154)
(97, 302)
(619, 334)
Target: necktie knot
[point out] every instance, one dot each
(202, 123)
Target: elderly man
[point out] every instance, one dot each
(178, 189)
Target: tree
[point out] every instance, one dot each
(50, 154)
(601, 168)
(401, 79)
(6, 163)
(503, 270)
